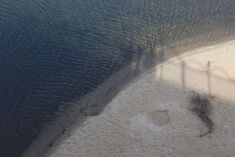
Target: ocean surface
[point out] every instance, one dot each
(53, 53)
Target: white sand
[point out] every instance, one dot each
(151, 117)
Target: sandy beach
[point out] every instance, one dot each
(152, 116)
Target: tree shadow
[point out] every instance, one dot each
(202, 107)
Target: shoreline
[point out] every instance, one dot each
(100, 97)
(135, 123)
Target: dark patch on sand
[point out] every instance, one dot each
(202, 107)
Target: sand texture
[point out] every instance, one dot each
(154, 116)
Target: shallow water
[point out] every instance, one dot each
(54, 52)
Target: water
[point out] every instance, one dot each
(54, 52)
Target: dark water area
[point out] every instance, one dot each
(53, 52)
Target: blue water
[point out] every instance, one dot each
(54, 52)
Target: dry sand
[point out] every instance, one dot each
(152, 116)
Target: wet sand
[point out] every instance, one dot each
(153, 116)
